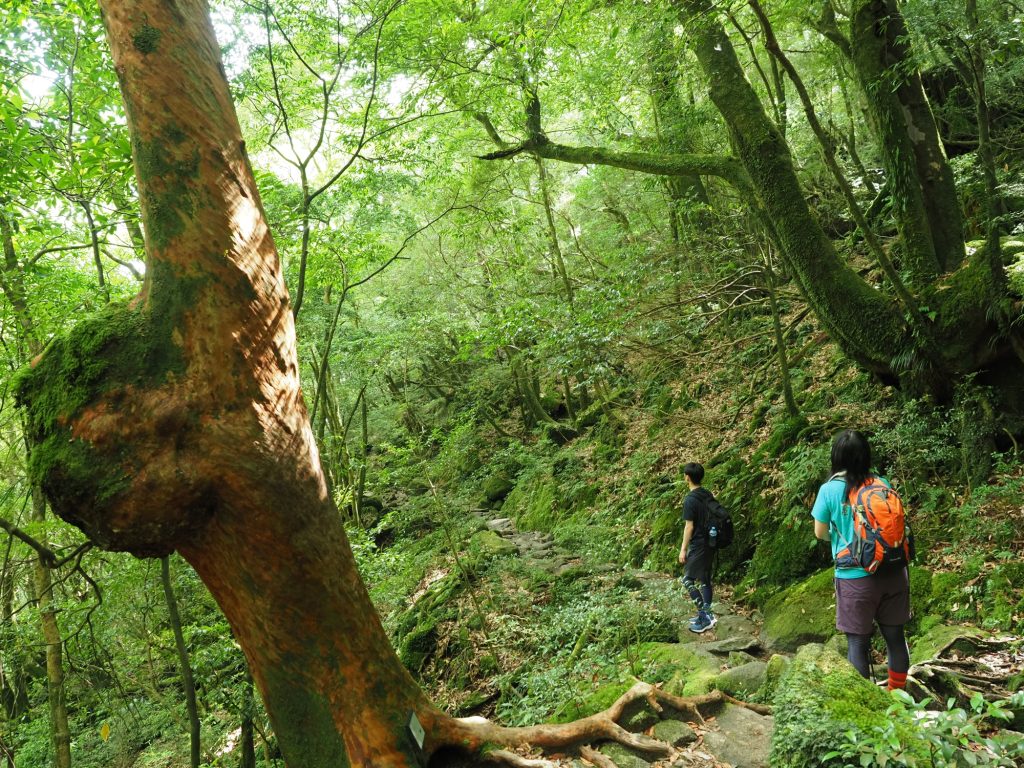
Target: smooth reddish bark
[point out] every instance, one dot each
(224, 467)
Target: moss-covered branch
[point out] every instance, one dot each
(689, 164)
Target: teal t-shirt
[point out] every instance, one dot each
(830, 508)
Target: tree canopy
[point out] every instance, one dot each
(288, 282)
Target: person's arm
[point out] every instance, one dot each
(821, 530)
(687, 535)
(821, 514)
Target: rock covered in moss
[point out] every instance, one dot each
(496, 488)
(621, 756)
(742, 681)
(638, 717)
(486, 545)
(803, 613)
(776, 670)
(936, 638)
(674, 732)
(687, 669)
(819, 699)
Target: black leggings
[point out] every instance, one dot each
(700, 593)
(859, 649)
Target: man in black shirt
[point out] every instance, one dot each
(695, 554)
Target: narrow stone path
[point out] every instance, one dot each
(732, 652)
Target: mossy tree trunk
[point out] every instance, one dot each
(866, 323)
(840, 298)
(670, 120)
(928, 211)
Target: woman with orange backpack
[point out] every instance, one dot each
(862, 517)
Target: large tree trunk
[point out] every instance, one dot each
(178, 423)
(862, 320)
(928, 215)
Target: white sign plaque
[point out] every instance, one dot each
(416, 729)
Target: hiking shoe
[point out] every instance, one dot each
(701, 624)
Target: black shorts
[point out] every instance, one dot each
(698, 564)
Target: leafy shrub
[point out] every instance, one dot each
(948, 738)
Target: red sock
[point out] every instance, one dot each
(897, 680)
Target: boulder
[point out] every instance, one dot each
(820, 698)
(742, 681)
(501, 525)
(803, 613)
(674, 732)
(486, 545)
(742, 739)
(773, 674)
(496, 488)
(739, 658)
(621, 756)
(638, 717)
(685, 668)
(732, 626)
(938, 637)
(734, 644)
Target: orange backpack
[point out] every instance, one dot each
(882, 536)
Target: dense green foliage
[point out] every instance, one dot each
(512, 338)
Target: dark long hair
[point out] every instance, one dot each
(851, 454)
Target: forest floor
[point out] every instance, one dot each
(733, 736)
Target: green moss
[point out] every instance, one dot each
(928, 644)
(778, 665)
(802, 613)
(113, 350)
(820, 698)
(598, 701)
(176, 164)
(487, 545)
(303, 720)
(533, 502)
(146, 39)
(417, 646)
(685, 668)
(496, 487)
(666, 536)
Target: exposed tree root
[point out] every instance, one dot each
(475, 735)
(592, 755)
(964, 666)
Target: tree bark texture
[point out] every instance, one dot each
(864, 321)
(177, 422)
(928, 214)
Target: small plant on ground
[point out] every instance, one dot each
(949, 738)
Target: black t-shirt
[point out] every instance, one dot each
(693, 509)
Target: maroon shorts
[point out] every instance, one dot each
(882, 597)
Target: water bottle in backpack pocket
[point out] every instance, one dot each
(882, 537)
(718, 524)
